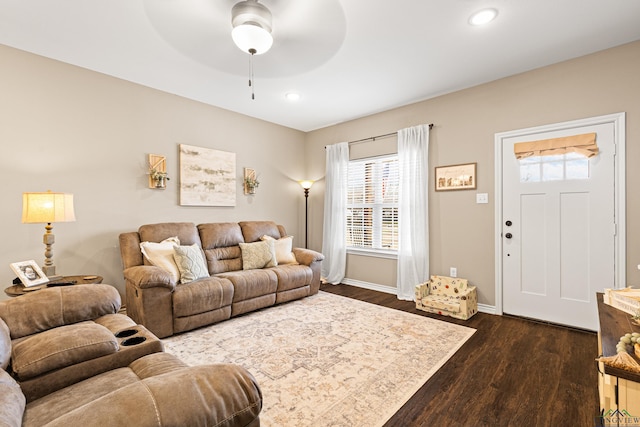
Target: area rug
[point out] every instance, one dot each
(327, 360)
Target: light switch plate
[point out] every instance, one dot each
(482, 198)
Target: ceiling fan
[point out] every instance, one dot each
(202, 30)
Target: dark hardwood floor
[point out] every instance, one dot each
(511, 372)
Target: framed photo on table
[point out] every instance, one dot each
(456, 177)
(29, 273)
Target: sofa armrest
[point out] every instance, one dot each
(149, 296)
(215, 395)
(52, 307)
(422, 290)
(307, 256)
(149, 276)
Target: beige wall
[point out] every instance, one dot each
(465, 122)
(68, 129)
(72, 130)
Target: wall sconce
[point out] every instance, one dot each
(250, 181)
(306, 185)
(47, 208)
(158, 176)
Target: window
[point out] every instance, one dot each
(372, 205)
(554, 168)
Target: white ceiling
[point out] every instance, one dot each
(346, 58)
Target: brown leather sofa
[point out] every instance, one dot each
(68, 358)
(166, 306)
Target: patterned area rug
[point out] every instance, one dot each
(327, 360)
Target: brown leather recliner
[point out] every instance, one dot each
(68, 358)
(63, 335)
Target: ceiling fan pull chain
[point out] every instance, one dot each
(252, 52)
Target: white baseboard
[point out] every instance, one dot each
(371, 286)
(482, 308)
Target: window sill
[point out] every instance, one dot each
(376, 253)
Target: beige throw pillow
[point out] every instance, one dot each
(283, 247)
(161, 255)
(258, 255)
(190, 263)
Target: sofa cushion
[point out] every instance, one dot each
(220, 235)
(448, 285)
(12, 401)
(58, 306)
(292, 276)
(186, 232)
(161, 255)
(222, 260)
(258, 255)
(5, 345)
(203, 295)
(190, 263)
(254, 230)
(252, 283)
(61, 347)
(442, 302)
(283, 247)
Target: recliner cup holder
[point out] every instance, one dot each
(134, 341)
(126, 333)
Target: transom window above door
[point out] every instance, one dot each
(554, 168)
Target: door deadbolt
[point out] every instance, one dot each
(508, 223)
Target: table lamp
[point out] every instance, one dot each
(47, 208)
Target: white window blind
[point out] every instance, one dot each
(372, 204)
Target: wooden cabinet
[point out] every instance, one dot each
(618, 389)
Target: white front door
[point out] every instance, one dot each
(558, 228)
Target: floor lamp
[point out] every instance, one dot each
(47, 208)
(306, 185)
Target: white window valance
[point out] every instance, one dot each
(584, 144)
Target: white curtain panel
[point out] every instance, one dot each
(334, 245)
(413, 242)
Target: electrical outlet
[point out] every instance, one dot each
(453, 272)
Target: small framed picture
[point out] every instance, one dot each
(29, 273)
(456, 177)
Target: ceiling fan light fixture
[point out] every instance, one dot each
(483, 17)
(251, 27)
(292, 96)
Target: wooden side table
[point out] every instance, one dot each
(87, 279)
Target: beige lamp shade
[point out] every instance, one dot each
(47, 207)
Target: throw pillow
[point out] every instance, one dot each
(258, 255)
(161, 255)
(12, 401)
(190, 263)
(283, 247)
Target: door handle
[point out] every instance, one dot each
(508, 235)
(508, 223)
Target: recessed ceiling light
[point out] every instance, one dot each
(483, 16)
(292, 96)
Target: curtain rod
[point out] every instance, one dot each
(373, 138)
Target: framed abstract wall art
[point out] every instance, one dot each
(207, 177)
